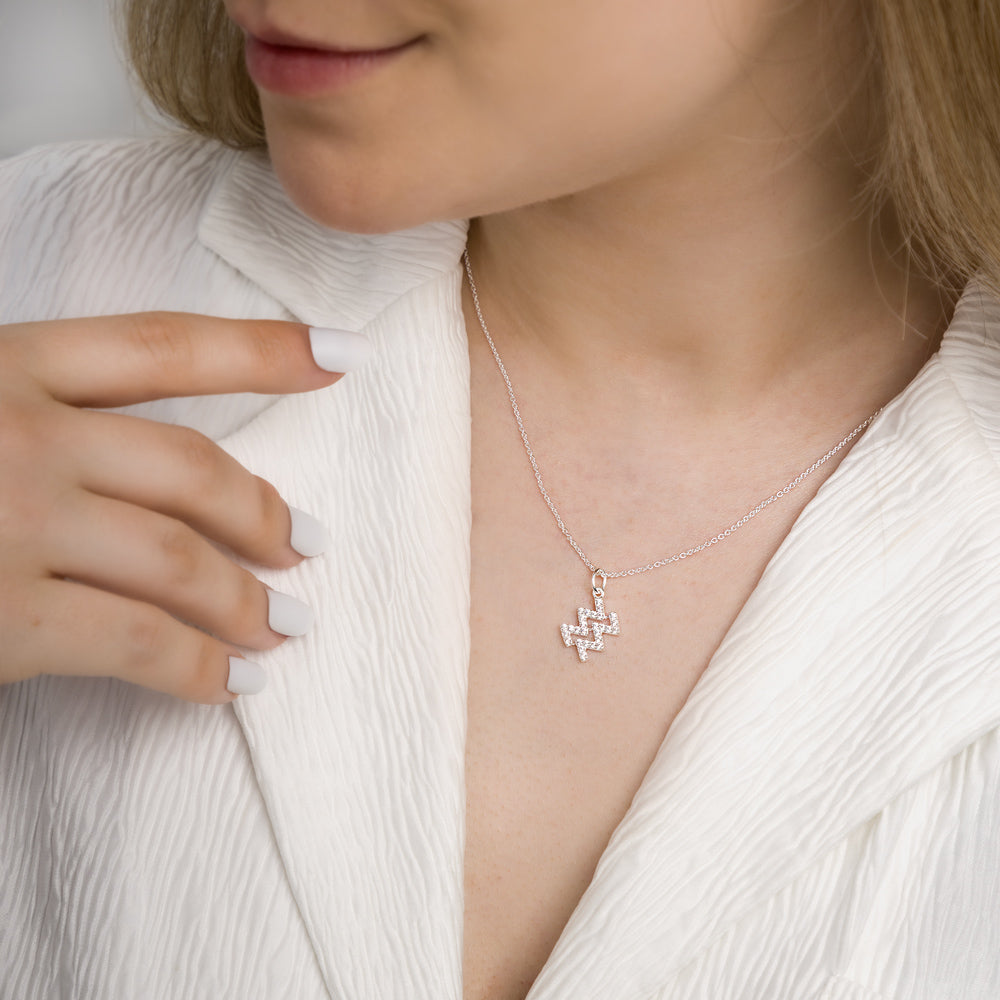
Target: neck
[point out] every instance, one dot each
(717, 273)
(722, 285)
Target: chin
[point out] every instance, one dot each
(348, 194)
(338, 204)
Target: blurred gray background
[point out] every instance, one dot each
(61, 75)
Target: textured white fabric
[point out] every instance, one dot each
(822, 821)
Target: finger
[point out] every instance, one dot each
(147, 556)
(82, 631)
(117, 360)
(185, 475)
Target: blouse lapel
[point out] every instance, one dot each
(866, 656)
(813, 714)
(358, 741)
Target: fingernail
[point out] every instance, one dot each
(309, 537)
(286, 615)
(245, 677)
(339, 350)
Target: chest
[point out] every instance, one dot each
(557, 748)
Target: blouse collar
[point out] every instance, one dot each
(864, 659)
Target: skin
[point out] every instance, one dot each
(107, 521)
(666, 235)
(693, 138)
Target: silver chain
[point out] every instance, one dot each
(687, 553)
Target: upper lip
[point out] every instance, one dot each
(275, 36)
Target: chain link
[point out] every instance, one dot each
(667, 560)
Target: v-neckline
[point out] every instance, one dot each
(810, 717)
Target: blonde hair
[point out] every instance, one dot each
(934, 76)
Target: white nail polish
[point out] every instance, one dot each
(339, 350)
(245, 677)
(309, 537)
(286, 615)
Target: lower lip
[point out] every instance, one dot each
(296, 72)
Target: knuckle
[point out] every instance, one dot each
(145, 639)
(163, 339)
(34, 476)
(24, 430)
(181, 555)
(200, 456)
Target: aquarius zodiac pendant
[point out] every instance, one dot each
(594, 625)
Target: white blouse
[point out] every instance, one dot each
(822, 821)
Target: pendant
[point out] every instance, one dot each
(594, 625)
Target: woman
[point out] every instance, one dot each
(716, 249)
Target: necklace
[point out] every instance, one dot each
(593, 624)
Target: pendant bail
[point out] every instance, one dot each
(599, 591)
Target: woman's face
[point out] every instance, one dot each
(502, 103)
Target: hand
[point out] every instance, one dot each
(107, 520)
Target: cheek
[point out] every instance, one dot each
(631, 79)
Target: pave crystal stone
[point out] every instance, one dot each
(590, 636)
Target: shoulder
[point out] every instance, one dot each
(96, 227)
(83, 179)
(104, 228)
